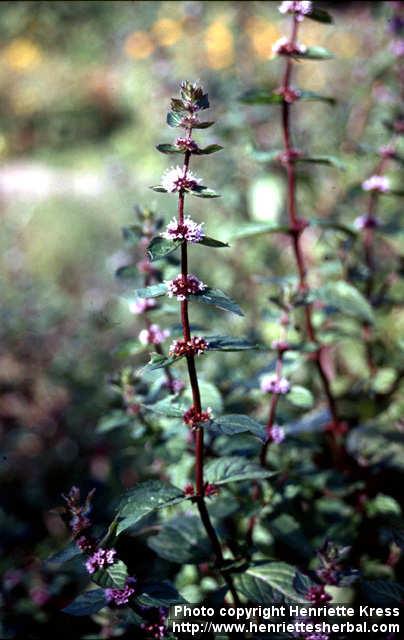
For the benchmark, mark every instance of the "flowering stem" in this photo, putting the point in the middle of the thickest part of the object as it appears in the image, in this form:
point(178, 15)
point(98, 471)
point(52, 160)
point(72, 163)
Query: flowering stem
point(297, 226)
point(196, 398)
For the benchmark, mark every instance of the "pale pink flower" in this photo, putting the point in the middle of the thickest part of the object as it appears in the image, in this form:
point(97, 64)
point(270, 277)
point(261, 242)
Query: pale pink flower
point(140, 305)
point(121, 597)
point(182, 287)
point(366, 221)
point(272, 384)
point(275, 434)
point(301, 9)
point(153, 335)
point(376, 183)
point(190, 230)
point(283, 47)
point(178, 178)
point(100, 559)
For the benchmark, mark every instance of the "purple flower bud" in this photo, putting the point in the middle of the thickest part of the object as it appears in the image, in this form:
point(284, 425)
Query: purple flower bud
point(100, 559)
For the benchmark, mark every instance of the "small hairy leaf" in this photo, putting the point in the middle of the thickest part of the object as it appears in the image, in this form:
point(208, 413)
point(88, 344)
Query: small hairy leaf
point(218, 299)
point(145, 498)
point(234, 423)
point(87, 603)
point(161, 247)
point(114, 576)
point(234, 469)
point(154, 291)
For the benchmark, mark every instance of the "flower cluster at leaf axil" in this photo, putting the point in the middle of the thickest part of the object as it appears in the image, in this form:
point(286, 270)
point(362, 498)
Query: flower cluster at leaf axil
point(195, 346)
point(121, 597)
point(192, 417)
point(283, 47)
point(377, 183)
point(188, 230)
point(179, 179)
point(100, 559)
point(183, 286)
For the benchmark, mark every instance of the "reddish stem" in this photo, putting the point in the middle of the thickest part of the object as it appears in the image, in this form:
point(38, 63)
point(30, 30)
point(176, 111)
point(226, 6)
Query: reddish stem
point(297, 227)
point(196, 399)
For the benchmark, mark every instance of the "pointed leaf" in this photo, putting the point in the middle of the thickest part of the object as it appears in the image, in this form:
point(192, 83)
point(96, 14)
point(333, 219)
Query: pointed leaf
point(159, 188)
point(234, 469)
point(261, 96)
point(168, 407)
point(145, 498)
point(330, 160)
point(203, 192)
point(234, 423)
point(169, 148)
point(312, 95)
point(202, 125)
point(127, 273)
point(87, 603)
point(174, 119)
point(300, 397)
point(228, 343)
point(182, 540)
point(154, 291)
point(259, 228)
point(159, 361)
point(218, 299)
point(344, 298)
point(319, 15)
point(206, 151)
point(211, 242)
point(160, 247)
point(113, 576)
point(265, 156)
point(263, 582)
point(159, 594)
point(315, 53)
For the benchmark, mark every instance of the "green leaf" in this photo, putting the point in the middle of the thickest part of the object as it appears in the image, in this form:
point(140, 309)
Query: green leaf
point(174, 119)
point(159, 594)
point(203, 192)
point(154, 291)
point(159, 188)
point(288, 530)
point(333, 224)
point(312, 422)
point(169, 148)
point(202, 125)
point(312, 95)
point(228, 343)
point(233, 423)
point(258, 229)
point(300, 397)
point(319, 15)
point(329, 160)
point(145, 498)
point(161, 247)
point(168, 407)
point(127, 273)
point(218, 299)
point(382, 592)
point(113, 576)
point(115, 419)
point(264, 583)
point(344, 298)
point(211, 242)
point(261, 96)
point(206, 151)
point(234, 469)
point(87, 603)
point(383, 506)
point(159, 361)
point(182, 540)
point(71, 552)
point(265, 156)
point(315, 53)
